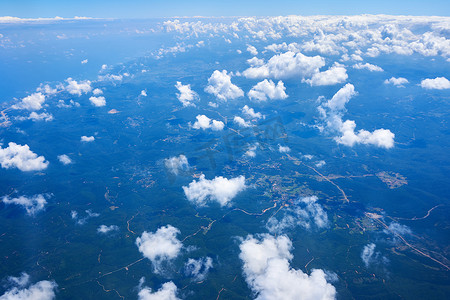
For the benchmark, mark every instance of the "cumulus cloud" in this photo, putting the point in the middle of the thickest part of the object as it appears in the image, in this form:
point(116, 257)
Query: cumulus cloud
point(84, 61)
point(176, 164)
point(283, 149)
point(304, 212)
point(267, 89)
point(23, 290)
point(250, 112)
point(203, 122)
point(78, 88)
point(82, 221)
point(97, 101)
point(22, 158)
point(267, 270)
point(41, 117)
point(241, 122)
point(143, 93)
point(219, 84)
point(399, 82)
point(338, 101)
point(168, 291)
point(367, 66)
point(198, 269)
point(287, 65)
point(186, 95)
point(255, 62)
point(64, 159)
point(438, 83)
point(251, 152)
point(252, 50)
point(87, 139)
point(160, 246)
point(31, 204)
point(97, 92)
point(31, 102)
point(334, 75)
point(219, 189)
point(62, 104)
point(105, 229)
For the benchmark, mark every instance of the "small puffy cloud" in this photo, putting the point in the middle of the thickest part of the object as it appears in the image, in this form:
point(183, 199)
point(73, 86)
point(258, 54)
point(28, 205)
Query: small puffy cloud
point(160, 246)
point(64, 159)
point(198, 269)
point(251, 152)
point(268, 272)
point(267, 89)
point(367, 66)
point(252, 50)
point(203, 122)
point(399, 82)
point(304, 212)
point(287, 65)
point(186, 95)
point(82, 221)
point(84, 61)
point(320, 163)
point(22, 290)
point(40, 117)
point(62, 104)
point(168, 291)
point(438, 83)
point(341, 98)
point(219, 84)
point(97, 92)
point(31, 204)
point(31, 102)
point(380, 137)
point(250, 112)
point(46, 89)
point(77, 88)
point(87, 139)
point(97, 101)
point(220, 189)
point(334, 75)
point(255, 62)
point(22, 158)
point(143, 93)
point(284, 149)
point(241, 122)
point(176, 164)
point(105, 229)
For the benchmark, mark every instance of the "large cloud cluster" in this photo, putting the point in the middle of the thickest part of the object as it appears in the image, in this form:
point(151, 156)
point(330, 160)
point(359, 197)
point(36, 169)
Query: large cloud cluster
point(268, 272)
point(160, 246)
point(220, 189)
point(22, 158)
point(219, 84)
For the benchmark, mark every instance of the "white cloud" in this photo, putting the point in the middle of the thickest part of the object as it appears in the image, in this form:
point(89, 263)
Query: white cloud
point(438, 83)
point(64, 159)
point(176, 163)
point(219, 84)
point(77, 88)
point(42, 290)
point(82, 221)
point(62, 104)
point(168, 291)
point(40, 117)
point(198, 269)
point(46, 89)
point(84, 61)
point(31, 102)
point(334, 75)
point(143, 93)
point(255, 62)
point(304, 212)
point(268, 272)
point(98, 101)
point(160, 246)
point(367, 253)
point(320, 163)
point(341, 97)
point(241, 122)
point(287, 65)
point(399, 82)
point(267, 89)
point(87, 139)
point(31, 204)
point(251, 152)
point(105, 229)
point(22, 158)
point(97, 92)
point(219, 189)
point(380, 137)
point(111, 77)
point(250, 112)
point(186, 95)
point(252, 50)
point(284, 149)
point(203, 122)
point(399, 229)
point(367, 66)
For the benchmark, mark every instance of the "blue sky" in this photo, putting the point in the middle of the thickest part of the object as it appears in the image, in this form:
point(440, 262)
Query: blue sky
point(161, 8)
